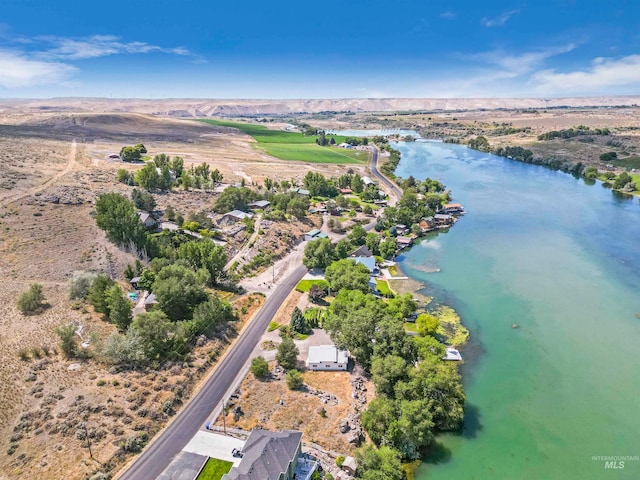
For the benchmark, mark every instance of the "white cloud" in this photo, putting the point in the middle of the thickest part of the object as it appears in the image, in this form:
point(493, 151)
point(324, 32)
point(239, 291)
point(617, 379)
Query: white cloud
point(500, 20)
point(99, 46)
point(604, 76)
point(448, 15)
point(18, 71)
point(514, 65)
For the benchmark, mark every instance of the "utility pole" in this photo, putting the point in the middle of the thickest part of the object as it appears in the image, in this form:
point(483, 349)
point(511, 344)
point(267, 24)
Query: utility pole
point(273, 276)
point(224, 418)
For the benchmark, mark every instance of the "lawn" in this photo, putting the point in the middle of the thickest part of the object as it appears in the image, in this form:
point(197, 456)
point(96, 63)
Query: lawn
point(383, 288)
point(410, 327)
point(305, 285)
point(629, 162)
point(214, 469)
point(294, 145)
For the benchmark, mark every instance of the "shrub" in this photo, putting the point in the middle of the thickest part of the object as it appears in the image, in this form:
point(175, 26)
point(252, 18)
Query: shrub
point(259, 367)
point(80, 284)
point(67, 334)
point(24, 355)
point(101, 383)
point(339, 460)
point(31, 300)
point(294, 379)
point(287, 355)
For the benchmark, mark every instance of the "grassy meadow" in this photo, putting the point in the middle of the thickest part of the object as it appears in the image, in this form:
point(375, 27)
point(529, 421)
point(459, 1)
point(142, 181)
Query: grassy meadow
point(295, 146)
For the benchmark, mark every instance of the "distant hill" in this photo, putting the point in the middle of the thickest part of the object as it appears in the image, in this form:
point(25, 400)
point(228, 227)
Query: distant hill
point(248, 107)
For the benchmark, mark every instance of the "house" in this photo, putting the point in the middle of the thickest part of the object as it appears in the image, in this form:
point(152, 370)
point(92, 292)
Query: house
point(345, 145)
point(369, 262)
point(426, 224)
point(150, 301)
point(268, 456)
point(373, 285)
point(318, 210)
point(234, 217)
point(299, 191)
point(259, 205)
point(404, 241)
point(401, 229)
point(350, 465)
point(367, 181)
point(361, 251)
point(311, 235)
point(345, 191)
point(452, 354)
point(147, 220)
point(452, 209)
point(134, 283)
point(442, 219)
point(327, 357)
point(382, 203)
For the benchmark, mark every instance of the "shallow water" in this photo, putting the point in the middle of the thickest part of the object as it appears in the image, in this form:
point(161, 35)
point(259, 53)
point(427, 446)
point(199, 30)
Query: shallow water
point(561, 259)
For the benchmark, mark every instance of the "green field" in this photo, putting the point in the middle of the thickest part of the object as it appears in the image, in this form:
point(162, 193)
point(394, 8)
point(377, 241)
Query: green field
point(629, 162)
point(214, 469)
point(383, 288)
point(305, 285)
point(295, 146)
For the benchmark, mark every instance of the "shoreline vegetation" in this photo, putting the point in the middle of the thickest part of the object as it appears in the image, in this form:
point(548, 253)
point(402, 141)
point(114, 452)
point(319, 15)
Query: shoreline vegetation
point(624, 185)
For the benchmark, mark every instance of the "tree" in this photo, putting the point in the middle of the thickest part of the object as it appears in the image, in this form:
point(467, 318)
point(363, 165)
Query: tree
point(177, 166)
point(298, 323)
point(165, 182)
point(386, 372)
point(31, 300)
point(143, 200)
point(268, 184)
point(204, 254)
point(427, 324)
point(379, 464)
point(67, 334)
point(388, 248)
point(318, 253)
point(622, 180)
point(156, 332)
point(119, 307)
point(128, 350)
point(130, 154)
point(216, 177)
point(358, 235)
point(298, 206)
point(234, 198)
point(148, 177)
point(147, 278)
point(348, 275)
point(170, 213)
point(80, 284)
point(260, 367)
point(357, 185)
point(211, 315)
point(293, 379)
point(162, 160)
point(118, 217)
point(402, 306)
point(141, 148)
point(372, 241)
point(178, 292)
point(287, 355)
point(98, 293)
point(317, 293)
point(342, 249)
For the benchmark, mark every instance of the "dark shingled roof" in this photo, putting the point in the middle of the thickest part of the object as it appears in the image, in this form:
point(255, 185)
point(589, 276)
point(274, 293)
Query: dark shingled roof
point(266, 455)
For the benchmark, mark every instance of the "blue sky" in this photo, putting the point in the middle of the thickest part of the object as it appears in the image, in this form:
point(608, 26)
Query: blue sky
point(329, 49)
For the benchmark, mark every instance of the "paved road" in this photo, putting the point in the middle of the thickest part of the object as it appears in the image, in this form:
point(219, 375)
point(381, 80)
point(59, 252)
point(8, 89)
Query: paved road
point(374, 169)
point(157, 456)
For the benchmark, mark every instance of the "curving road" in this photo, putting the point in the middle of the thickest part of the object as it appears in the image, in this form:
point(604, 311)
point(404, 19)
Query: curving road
point(159, 454)
point(374, 170)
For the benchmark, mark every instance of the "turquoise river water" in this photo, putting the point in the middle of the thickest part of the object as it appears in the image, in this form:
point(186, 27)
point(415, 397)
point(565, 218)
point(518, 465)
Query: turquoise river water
point(562, 260)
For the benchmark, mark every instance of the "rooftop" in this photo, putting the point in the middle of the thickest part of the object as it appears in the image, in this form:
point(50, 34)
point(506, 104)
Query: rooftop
point(327, 353)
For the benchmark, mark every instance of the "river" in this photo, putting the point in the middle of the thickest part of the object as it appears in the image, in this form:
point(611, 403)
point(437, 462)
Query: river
point(561, 259)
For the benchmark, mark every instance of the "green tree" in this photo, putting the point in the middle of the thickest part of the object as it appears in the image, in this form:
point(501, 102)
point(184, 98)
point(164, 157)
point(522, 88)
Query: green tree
point(346, 274)
point(141, 148)
point(162, 160)
point(165, 182)
point(124, 176)
point(31, 300)
point(177, 166)
point(127, 350)
point(268, 184)
point(178, 292)
point(298, 206)
point(386, 372)
point(118, 217)
point(147, 278)
point(342, 249)
point(148, 177)
point(317, 293)
point(67, 334)
point(372, 241)
point(234, 198)
point(287, 355)
point(156, 334)
point(293, 379)
point(357, 185)
point(427, 324)
point(622, 180)
point(402, 306)
point(358, 235)
point(143, 200)
point(388, 248)
point(216, 177)
point(170, 213)
point(204, 254)
point(119, 307)
point(298, 323)
point(318, 253)
point(210, 316)
point(379, 464)
point(130, 154)
point(260, 367)
point(98, 293)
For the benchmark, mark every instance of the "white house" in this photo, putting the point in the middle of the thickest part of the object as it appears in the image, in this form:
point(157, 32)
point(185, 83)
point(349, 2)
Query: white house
point(327, 357)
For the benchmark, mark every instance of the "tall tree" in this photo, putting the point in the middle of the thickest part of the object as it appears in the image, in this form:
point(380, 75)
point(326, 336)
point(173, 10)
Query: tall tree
point(148, 177)
point(287, 355)
point(178, 292)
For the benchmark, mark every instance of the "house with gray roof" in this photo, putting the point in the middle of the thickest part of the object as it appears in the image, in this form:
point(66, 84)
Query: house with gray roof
point(268, 456)
point(234, 217)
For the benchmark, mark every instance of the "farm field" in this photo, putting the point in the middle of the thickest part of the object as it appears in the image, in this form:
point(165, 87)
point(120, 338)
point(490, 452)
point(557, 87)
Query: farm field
point(295, 146)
